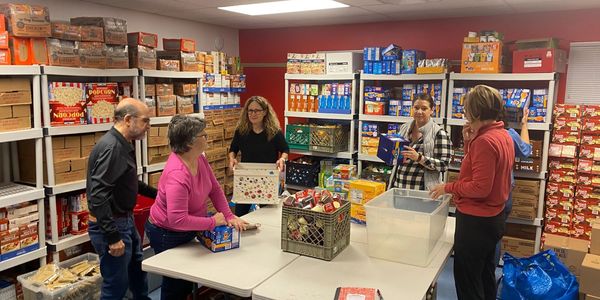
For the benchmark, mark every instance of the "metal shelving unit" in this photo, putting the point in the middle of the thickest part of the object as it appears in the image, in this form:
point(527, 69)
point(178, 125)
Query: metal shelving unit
point(443, 78)
point(13, 193)
point(341, 118)
point(143, 75)
point(552, 84)
point(52, 189)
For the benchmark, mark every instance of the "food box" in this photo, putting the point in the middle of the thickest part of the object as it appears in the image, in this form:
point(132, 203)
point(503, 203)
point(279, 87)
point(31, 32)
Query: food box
point(90, 33)
point(539, 61)
point(65, 31)
point(185, 45)
point(257, 183)
point(67, 103)
point(27, 20)
point(101, 101)
point(142, 38)
point(92, 55)
point(221, 238)
point(390, 147)
point(481, 58)
point(117, 57)
point(63, 53)
point(115, 30)
point(142, 57)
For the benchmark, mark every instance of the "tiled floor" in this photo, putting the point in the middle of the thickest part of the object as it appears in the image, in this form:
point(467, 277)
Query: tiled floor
point(446, 290)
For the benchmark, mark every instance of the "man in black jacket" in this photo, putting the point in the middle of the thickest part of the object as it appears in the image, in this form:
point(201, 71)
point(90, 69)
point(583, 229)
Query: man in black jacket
point(112, 187)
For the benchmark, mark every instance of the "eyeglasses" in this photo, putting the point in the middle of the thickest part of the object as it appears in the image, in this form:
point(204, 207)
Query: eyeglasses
point(255, 111)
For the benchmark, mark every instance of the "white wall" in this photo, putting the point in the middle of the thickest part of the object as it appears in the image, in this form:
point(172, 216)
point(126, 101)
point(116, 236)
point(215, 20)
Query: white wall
point(203, 34)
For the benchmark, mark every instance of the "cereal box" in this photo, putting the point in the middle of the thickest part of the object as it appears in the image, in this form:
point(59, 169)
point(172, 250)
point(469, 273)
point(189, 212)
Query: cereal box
point(101, 100)
point(221, 238)
point(67, 103)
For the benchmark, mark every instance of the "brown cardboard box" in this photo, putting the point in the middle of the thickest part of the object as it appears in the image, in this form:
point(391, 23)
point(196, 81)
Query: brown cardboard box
point(527, 200)
point(527, 232)
point(86, 150)
point(21, 111)
point(27, 20)
point(518, 247)
point(98, 136)
point(5, 112)
point(168, 65)
point(63, 53)
point(142, 38)
point(92, 54)
point(590, 272)
point(15, 91)
point(58, 142)
point(64, 30)
point(72, 141)
point(79, 164)
point(163, 131)
point(66, 154)
point(595, 238)
point(62, 166)
point(153, 179)
point(15, 124)
point(115, 30)
point(214, 134)
point(91, 33)
point(117, 57)
point(164, 89)
point(530, 187)
point(69, 176)
point(187, 61)
point(185, 105)
point(142, 57)
point(154, 141)
point(166, 105)
point(523, 212)
point(150, 90)
point(87, 140)
point(569, 250)
point(185, 89)
point(153, 131)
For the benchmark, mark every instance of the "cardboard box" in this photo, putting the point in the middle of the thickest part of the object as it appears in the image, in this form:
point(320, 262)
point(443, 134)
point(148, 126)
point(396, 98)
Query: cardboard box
point(91, 33)
point(10, 243)
point(101, 101)
point(185, 45)
point(590, 272)
point(65, 31)
point(570, 251)
point(69, 177)
point(63, 53)
point(150, 90)
point(117, 57)
point(86, 150)
point(27, 20)
point(38, 51)
point(164, 89)
point(153, 179)
point(168, 65)
point(20, 50)
point(154, 141)
point(2, 22)
point(142, 38)
point(343, 62)
point(539, 61)
point(87, 140)
point(595, 238)
point(115, 30)
point(518, 247)
point(220, 239)
point(66, 154)
point(67, 103)
point(531, 187)
point(187, 61)
point(390, 147)
point(15, 124)
point(92, 55)
point(142, 57)
point(185, 89)
point(185, 105)
point(166, 105)
point(481, 58)
point(521, 212)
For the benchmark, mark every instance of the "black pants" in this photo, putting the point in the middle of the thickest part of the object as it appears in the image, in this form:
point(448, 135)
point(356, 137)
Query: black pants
point(475, 242)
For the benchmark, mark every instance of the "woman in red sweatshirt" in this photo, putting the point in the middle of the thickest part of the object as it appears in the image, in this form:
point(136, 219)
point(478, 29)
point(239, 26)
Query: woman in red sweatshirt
point(480, 194)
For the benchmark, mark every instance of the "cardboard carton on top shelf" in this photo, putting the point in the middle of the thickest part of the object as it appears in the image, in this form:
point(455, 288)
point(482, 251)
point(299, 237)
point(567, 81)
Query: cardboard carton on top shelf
point(142, 57)
point(5, 57)
point(117, 57)
point(38, 51)
point(186, 45)
point(142, 38)
point(19, 48)
point(63, 53)
point(27, 20)
point(3, 39)
point(65, 31)
point(91, 33)
point(482, 58)
point(187, 61)
point(115, 30)
point(92, 55)
point(166, 105)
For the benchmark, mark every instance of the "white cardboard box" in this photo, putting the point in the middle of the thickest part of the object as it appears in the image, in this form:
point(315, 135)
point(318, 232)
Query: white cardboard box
point(343, 62)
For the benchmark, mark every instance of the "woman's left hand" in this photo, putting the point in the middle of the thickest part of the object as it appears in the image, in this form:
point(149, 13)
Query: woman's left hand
point(238, 223)
point(410, 153)
point(281, 164)
point(437, 191)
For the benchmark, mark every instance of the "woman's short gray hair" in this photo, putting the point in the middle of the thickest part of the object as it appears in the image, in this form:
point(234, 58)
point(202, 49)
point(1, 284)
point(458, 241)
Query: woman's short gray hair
point(183, 130)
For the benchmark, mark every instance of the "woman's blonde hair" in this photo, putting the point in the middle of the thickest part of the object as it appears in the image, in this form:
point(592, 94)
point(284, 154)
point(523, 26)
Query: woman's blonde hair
point(270, 120)
point(483, 103)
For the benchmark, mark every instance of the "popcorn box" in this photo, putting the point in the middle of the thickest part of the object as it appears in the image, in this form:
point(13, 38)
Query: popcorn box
point(221, 238)
point(101, 101)
point(67, 103)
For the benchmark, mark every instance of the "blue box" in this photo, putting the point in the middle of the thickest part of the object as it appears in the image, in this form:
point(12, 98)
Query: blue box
point(377, 67)
point(410, 60)
point(391, 52)
point(220, 239)
point(390, 147)
point(372, 54)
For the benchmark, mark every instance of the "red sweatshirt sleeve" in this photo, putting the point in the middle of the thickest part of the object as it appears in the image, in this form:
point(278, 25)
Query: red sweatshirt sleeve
point(483, 169)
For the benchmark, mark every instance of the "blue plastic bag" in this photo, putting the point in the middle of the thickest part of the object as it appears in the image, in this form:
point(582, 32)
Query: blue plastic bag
point(538, 277)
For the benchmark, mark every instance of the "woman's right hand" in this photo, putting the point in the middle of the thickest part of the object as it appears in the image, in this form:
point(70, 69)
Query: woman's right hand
point(232, 163)
point(467, 132)
point(219, 219)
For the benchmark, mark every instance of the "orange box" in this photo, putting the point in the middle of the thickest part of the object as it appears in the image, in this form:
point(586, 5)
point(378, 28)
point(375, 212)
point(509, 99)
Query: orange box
point(4, 40)
point(38, 51)
point(20, 50)
point(481, 58)
point(2, 22)
point(185, 45)
point(5, 57)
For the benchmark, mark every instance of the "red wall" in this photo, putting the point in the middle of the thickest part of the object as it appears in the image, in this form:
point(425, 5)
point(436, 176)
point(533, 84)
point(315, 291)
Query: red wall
point(439, 38)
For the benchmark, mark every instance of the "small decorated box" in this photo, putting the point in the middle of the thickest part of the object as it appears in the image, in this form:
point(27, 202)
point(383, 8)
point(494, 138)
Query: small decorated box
point(390, 147)
point(220, 239)
point(257, 183)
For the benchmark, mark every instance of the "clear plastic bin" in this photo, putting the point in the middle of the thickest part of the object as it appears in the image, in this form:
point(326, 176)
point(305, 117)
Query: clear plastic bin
point(86, 288)
point(405, 225)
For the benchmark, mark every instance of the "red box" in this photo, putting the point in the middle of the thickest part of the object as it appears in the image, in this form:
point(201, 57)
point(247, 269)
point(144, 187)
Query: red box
point(2, 22)
point(142, 38)
point(586, 205)
point(590, 111)
point(588, 179)
point(559, 202)
point(562, 176)
point(185, 45)
point(557, 228)
point(560, 189)
point(539, 61)
point(79, 222)
point(588, 192)
point(5, 57)
point(4, 40)
point(566, 164)
point(558, 214)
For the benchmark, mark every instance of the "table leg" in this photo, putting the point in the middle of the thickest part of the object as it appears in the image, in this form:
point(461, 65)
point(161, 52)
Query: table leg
point(194, 291)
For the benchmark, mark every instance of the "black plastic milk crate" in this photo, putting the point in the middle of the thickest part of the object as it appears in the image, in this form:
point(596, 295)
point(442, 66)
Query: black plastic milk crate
point(302, 174)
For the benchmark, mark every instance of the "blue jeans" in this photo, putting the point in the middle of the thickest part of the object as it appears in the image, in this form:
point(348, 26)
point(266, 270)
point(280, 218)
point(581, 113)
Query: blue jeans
point(163, 239)
point(119, 273)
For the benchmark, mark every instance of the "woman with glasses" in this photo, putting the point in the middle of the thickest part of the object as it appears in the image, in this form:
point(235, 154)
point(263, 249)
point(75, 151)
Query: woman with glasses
point(185, 187)
point(259, 138)
point(430, 148)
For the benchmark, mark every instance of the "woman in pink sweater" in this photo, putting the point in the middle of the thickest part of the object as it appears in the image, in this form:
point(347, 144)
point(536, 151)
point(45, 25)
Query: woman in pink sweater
point(185, 187)
point(480, 194)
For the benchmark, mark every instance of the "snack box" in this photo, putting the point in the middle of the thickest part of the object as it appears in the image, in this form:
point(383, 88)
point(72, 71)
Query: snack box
point(221, 238)
point(390, 147)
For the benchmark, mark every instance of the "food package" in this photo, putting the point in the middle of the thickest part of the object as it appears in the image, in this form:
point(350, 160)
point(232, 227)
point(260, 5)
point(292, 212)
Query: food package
point(142, 38)
point(27, 20)
point(187, 61)
point(185, 105)
point(142, 57)
point(185, 45)
point(101, 100)
point(63, 53)
point(92, 55)
point(65, 31)
point(20, 50)
point(166, 105)
point(115, 30)
point(67, 103)
point(117, 57)
point(38, 51)
point(168, 65)
point(91, 33)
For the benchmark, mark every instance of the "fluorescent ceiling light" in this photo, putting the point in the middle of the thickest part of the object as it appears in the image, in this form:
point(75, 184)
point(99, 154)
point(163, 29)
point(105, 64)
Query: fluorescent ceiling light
point(279, 7)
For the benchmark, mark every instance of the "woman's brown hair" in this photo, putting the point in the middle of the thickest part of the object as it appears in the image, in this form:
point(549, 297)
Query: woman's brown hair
point(484, 103)
point(270, 121)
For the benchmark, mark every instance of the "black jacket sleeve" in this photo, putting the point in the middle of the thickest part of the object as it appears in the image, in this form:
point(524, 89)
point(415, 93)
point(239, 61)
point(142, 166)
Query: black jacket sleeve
point(103, 177)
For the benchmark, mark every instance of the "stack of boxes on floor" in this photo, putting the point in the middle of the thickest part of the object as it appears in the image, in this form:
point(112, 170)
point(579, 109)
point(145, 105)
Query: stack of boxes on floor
point(18, 230)
point(590, 267)
point(572, 193)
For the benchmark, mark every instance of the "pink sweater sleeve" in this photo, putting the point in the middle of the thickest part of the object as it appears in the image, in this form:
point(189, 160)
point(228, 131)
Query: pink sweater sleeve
point(483, 167)
point(177, 190)
point(217, 195)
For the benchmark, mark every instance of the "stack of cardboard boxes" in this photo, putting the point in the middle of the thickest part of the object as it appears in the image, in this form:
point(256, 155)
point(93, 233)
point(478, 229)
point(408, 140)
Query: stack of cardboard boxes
point(216, 152)
point(69, 153)
point(525, 195)
point(18, 230)
point(15, 104)
point(590, 267)
point(23, 40)
point(158, 144)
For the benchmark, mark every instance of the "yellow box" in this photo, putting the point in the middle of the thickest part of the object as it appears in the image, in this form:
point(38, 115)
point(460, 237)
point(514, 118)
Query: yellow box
point(432, 70)
point(358, 213)
point(481, 58)
point(362, 191)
